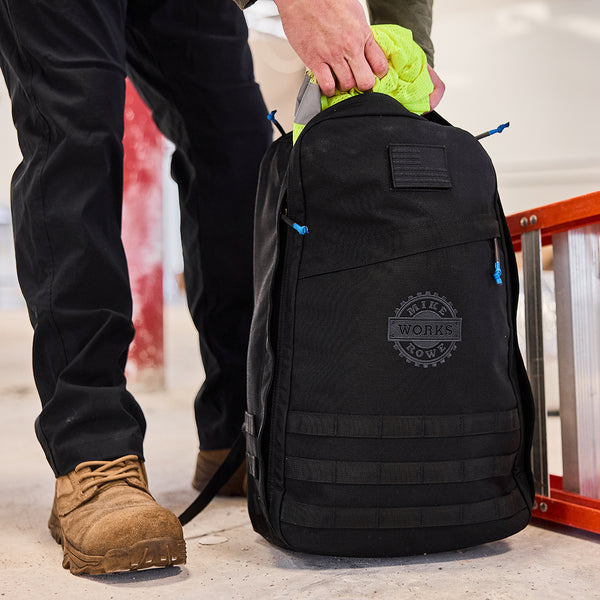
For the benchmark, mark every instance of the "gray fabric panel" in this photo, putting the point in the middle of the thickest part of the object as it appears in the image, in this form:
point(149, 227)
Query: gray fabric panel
point(308, 102)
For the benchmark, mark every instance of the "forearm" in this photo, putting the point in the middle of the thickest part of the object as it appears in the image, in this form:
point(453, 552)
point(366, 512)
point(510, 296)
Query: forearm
point(412, 14)
point(415, 15)
point(334, 40)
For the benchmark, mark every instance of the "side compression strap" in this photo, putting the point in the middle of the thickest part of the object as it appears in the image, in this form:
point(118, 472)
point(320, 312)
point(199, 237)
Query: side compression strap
point(219, 479)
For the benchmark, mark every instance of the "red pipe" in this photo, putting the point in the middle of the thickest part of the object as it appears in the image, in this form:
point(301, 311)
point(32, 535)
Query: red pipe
point(142, 237)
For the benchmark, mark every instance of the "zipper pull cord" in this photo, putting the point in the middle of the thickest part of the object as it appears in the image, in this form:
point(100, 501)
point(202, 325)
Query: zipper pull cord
point(301, 229)
point(497, 270)
point(271, 117)
point(498, 129)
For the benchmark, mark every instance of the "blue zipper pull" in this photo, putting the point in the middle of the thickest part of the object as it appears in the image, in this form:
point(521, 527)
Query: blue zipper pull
point(301, 229)
point(271, 117)
point(498, 129)
point(497, 275)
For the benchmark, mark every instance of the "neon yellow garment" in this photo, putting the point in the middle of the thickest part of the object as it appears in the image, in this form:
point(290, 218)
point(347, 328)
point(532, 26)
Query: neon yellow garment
point(407, 79)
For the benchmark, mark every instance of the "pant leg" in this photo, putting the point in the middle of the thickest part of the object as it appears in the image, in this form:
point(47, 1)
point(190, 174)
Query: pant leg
point(191, 62)
point(64, 64)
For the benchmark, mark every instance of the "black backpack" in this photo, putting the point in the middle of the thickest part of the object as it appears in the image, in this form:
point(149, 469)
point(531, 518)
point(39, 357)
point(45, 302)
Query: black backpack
point(389, 411)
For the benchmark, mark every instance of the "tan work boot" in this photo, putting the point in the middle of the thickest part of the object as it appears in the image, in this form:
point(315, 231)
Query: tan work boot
point(207, 464)
point(106, 520)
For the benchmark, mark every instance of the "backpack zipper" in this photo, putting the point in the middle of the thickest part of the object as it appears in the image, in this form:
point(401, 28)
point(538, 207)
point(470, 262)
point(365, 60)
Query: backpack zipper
point(301, 229)
point(497, 274)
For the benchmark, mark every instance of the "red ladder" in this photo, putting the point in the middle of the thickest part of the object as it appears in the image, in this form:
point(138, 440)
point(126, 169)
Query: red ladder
point(572, 227)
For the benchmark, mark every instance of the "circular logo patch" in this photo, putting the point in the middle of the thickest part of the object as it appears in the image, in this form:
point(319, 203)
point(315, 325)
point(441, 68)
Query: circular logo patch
point(425, 329)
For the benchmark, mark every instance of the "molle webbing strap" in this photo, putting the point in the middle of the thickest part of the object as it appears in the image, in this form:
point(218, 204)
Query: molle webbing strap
point(398, 473)
point(394, 427)
point(326, 517)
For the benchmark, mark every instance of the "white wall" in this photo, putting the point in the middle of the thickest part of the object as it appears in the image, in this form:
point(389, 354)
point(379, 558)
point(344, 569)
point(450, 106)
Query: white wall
point(9, 158)
point(535, 64)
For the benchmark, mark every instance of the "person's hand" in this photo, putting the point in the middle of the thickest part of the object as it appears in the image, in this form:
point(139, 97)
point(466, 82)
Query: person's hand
point(438, 89)
point(334, 40)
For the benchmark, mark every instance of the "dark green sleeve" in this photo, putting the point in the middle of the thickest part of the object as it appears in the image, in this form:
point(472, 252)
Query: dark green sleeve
point(412, 14)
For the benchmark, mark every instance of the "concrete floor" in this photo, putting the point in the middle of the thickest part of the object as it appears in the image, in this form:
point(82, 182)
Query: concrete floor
point(226, 559)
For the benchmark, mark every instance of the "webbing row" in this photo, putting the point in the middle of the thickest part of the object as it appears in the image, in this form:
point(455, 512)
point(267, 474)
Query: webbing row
point(391, 426)
point(327, 517)
point(398, 473)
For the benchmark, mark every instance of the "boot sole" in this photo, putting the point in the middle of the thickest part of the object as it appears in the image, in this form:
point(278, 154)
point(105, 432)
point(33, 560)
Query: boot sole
point(145, 554)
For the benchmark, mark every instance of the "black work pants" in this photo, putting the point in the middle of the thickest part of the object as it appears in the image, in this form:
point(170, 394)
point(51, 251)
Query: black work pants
point(65, 62)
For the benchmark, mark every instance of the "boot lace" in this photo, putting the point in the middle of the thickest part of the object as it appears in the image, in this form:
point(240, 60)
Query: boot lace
point(104, 471)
